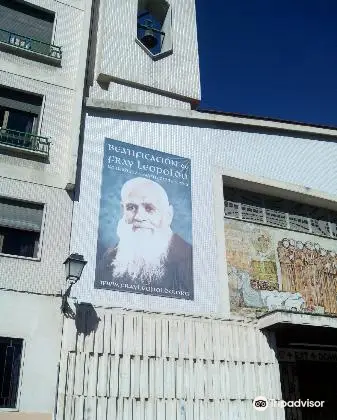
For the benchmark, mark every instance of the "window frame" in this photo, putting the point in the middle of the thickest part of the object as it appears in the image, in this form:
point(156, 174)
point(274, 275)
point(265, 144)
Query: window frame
point(40, 153)
point(53, 33)
point(38, 257)
point(37, 124)
point(167, 21)
point(7, 112)
point(40, 119)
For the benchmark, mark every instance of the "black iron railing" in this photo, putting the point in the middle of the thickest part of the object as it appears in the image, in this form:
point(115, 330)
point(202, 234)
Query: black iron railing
point(10, 361)
point(25, 141)
point(30, 44)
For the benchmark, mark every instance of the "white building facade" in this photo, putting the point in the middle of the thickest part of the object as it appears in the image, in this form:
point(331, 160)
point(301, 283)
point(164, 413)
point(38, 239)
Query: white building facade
point(247, 196)
point(241, 304)
point(43, 47)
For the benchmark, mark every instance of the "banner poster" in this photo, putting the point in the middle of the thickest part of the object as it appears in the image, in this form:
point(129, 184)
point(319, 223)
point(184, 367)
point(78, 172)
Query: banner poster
point(145, 223)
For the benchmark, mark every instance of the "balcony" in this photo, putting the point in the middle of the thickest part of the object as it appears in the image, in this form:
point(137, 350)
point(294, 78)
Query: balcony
point(25, 143)
point(30, 48)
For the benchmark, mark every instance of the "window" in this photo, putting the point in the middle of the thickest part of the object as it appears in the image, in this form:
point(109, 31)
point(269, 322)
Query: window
point(10, 361)
point(28, 29)
point(19, 121)
point(19, 111)
point(154, 27)
point(20, 227)
point(277, 212)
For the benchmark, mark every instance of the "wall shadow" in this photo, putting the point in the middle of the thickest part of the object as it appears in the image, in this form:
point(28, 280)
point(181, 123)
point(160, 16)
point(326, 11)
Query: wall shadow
point(86, 318)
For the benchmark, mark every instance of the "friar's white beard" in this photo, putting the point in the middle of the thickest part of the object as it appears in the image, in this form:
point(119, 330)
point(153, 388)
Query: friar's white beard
point(141, 254)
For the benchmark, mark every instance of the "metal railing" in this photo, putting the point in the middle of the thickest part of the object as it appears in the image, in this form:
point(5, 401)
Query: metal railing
point(30, 44)
point(26, 141)
point(10, 361)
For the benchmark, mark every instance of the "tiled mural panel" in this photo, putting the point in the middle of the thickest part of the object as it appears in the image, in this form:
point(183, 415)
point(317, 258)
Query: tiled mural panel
point(272, 268)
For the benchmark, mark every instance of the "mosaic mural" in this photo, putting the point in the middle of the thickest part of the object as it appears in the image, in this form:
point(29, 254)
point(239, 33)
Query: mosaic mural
point(270, 268)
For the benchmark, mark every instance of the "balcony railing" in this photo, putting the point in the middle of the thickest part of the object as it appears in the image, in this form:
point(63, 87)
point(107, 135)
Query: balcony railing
point(30, 44)
point(26, 141)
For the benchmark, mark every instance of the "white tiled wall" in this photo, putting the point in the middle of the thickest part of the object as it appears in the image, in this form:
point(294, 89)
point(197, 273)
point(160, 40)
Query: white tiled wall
point(275, 156)
point(56, 123)
point(118, 56)
point(47, 274)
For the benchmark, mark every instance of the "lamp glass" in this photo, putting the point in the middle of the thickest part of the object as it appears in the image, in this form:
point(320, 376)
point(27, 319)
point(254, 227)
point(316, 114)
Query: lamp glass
point(74, 265)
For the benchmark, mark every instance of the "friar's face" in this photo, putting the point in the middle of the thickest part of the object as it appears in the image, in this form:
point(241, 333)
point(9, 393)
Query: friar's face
point(144, 231)
point(145, 209)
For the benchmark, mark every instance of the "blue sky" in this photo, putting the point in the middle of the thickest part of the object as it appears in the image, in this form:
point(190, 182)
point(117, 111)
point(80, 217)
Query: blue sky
point(270, 58)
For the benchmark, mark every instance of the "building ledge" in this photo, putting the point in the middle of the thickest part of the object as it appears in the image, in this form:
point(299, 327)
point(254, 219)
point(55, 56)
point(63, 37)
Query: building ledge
point(204, 118)
point(278, 318)
point(155, 57)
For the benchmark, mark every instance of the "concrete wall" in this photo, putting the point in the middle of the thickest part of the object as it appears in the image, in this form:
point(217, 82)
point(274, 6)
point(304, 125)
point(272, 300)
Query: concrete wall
point(37, 321)
point(277, 155)
point(144, 366)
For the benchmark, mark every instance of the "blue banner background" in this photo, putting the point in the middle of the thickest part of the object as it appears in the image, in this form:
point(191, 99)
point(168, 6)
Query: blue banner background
point(178, 190)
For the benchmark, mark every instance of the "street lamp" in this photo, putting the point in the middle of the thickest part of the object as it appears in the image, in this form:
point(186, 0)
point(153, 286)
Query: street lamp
point(74, 265)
